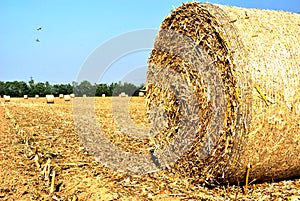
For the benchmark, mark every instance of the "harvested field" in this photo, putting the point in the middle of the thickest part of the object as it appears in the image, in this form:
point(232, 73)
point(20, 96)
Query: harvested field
point(39, 144)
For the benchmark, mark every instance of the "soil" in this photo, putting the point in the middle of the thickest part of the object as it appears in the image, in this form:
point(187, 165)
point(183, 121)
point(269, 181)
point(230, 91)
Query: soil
point(42, 158)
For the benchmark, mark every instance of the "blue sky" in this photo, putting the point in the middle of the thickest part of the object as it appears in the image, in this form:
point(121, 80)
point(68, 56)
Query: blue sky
point(72, 30)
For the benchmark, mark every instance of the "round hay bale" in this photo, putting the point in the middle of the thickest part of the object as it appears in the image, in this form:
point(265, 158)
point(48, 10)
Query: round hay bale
point(37, 96)
point(25, 96)
point(103, 95)
point(122, 94)
point(141, 94)
point(84, 95)
point(67, 97)
point(225, 83)
point(50, 98)
point(61, 96)
point(72, 95)
point(6, 98)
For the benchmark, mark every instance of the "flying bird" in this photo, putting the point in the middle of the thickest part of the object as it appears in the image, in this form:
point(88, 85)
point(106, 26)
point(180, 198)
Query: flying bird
point(37, 40)
point(39, 29)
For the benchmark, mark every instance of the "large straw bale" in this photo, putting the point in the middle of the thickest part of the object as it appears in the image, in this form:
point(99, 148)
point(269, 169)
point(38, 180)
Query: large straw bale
point(50, 98)
point(6, 98)
point(123, 94)
point(243, 69)
point(141, 94)
point(67, 97)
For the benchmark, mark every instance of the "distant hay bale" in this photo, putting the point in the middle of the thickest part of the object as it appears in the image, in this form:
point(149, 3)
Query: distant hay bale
point(239, 69)
point(61, 96)
point(25, 96)
point(6, 98)
point(37, 96)
point(72, 95)
point(122, 94)
point(84, 95)
point(67, 97)
point(103, 95)
point(141, 94)
point(50, 98)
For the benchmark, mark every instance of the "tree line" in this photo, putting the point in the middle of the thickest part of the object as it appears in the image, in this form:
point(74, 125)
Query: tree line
point(21, 88)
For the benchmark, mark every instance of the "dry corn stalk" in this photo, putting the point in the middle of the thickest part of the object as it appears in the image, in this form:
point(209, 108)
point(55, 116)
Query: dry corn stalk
point(36, 160)
point(46, 170)
point(52, 186)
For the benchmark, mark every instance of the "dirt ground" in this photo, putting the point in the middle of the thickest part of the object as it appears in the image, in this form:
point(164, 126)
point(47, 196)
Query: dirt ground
point(42, 158)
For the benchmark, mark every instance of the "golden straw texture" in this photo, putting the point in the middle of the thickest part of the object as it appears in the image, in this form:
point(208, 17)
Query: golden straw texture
point(251, 116)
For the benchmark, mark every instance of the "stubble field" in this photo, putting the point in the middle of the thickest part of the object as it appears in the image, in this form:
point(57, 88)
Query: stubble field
point(42, 158)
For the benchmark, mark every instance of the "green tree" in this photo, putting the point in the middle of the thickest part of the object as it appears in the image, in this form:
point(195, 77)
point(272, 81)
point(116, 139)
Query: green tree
point(31, 87)
point(85, 87)
point(48, 88)
point(39, 89)
point(129, 88)
point(2, 87)
point(20, 88)
point(111, 88)
point(102, 89)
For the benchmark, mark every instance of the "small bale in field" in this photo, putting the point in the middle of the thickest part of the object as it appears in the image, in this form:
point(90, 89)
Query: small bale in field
point(61, 96)
point(141, 94)
point(67, 97)
point(84, 95)
point(6, 98)
point(72, 95)
point(37, 96)
point(122, 94)
point(103, 95)
point(25, 96)
point(50, 98)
